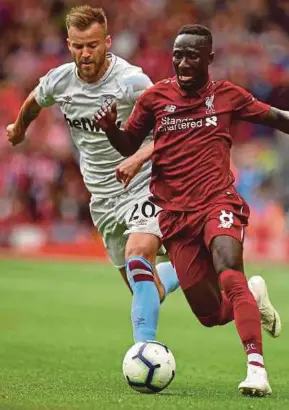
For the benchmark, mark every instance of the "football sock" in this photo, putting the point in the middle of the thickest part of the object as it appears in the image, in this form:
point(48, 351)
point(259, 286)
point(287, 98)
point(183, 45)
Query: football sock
point(226, 313)
point(256, 359)
point(168, 276)
point(145, 302)
point(246, 313)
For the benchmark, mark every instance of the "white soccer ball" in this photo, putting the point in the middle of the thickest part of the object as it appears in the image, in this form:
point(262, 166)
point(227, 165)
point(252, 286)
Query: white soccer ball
point(149, 367)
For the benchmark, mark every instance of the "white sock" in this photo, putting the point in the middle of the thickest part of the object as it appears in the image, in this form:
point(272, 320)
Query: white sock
point(255, 357)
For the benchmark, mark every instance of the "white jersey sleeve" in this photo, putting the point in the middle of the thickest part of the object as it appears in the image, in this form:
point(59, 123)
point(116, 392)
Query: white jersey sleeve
point(136, 84)
point(44, 91)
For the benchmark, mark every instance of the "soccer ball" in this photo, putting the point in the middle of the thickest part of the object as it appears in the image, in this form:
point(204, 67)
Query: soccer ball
point(149, 367)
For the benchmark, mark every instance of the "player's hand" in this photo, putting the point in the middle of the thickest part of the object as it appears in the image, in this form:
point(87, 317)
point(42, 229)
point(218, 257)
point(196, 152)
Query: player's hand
point(128, 169)
point(13, 136)
point(106, 116)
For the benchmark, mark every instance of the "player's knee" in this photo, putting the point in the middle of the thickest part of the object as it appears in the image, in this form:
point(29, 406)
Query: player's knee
point(138, 269)
point(233, 282)
point(209, 321)
point(226, 260)
point(138, 250)
point(227, 264)
point(144, 245)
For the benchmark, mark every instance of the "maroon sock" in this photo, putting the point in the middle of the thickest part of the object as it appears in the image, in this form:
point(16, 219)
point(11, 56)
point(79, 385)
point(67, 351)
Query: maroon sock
point(246, 312)
point(226, 312)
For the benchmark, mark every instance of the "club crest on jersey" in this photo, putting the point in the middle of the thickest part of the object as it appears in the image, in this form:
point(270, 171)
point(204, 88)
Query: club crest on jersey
point(209, 101)
point(107, 99)
point(170, 108)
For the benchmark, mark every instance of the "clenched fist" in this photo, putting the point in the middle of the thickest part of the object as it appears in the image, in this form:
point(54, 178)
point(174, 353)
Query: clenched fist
point(106, 116)
point(127, 169)
point(13, 136)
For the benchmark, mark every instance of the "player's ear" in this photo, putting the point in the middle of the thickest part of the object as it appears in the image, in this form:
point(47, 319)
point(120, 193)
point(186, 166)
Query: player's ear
point(68, 44)
point(211, 57)
point(108, 42)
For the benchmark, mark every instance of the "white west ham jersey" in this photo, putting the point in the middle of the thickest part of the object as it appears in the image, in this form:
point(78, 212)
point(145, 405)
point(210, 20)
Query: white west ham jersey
point(79, 102)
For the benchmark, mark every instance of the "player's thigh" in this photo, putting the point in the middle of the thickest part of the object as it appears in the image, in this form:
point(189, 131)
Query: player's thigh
point(224, 235)
point(141, 216)
point(111, 231)
point(197, 276)
point(190, 259)
point(142, 244)
point(227, 253)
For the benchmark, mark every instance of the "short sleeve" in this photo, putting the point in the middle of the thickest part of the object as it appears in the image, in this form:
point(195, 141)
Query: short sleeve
point(137, 83)
point(44, 91)
point(141, 121)
point(246, 106)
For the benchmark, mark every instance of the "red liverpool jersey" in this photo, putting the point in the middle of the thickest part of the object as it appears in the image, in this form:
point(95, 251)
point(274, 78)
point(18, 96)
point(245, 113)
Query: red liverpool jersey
point(192, 140)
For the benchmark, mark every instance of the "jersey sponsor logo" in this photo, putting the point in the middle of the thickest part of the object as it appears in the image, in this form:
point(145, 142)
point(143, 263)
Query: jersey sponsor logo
point(209, 101)
point(84, 123)
point(180, 124)
point(170, 108)
point(226, 219)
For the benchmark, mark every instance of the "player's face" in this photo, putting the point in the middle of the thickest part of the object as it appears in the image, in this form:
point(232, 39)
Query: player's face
point(192, 56)
point(88, 48)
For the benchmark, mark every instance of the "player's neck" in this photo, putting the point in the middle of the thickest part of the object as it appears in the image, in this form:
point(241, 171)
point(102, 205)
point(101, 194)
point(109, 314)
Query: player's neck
point(200, 86)
point(197, 88)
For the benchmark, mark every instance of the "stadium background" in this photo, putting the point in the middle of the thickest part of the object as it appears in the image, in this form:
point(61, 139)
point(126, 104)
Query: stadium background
point(64, 324)
point(43, 203)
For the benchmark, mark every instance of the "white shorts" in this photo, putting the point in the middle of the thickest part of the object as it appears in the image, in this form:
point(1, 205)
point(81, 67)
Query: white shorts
point(116, 218)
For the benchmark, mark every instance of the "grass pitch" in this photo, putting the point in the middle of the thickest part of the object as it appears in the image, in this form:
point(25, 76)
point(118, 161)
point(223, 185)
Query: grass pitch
point(64, 329)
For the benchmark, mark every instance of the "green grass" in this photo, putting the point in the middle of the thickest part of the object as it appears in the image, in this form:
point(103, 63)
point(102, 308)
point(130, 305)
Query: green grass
point(64, 328)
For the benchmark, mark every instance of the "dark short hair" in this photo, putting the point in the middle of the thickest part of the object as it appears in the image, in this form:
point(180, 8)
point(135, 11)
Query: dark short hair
point(197, 29)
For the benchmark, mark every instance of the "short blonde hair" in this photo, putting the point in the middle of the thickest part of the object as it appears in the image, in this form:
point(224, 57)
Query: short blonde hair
point(82, 17)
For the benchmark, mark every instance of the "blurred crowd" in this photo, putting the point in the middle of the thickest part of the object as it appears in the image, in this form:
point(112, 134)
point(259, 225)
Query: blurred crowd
point(40, 181)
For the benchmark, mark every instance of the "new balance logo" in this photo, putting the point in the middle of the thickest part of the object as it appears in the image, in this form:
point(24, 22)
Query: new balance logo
point(170, 108)
point(68, 99)
point(211, 121)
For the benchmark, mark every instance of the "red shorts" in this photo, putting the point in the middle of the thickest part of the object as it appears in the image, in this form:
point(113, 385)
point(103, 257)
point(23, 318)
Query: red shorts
point(187, 235)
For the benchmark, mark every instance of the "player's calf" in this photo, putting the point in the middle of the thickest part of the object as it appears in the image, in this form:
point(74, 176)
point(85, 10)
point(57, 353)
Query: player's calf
point(168, 279)
point(147, 245)
point(146, 302)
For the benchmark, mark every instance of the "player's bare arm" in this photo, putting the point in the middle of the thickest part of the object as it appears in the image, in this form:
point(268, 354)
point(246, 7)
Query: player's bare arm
point(129, 168)
point(28, 112)
point(277, 119)
point(124, 142)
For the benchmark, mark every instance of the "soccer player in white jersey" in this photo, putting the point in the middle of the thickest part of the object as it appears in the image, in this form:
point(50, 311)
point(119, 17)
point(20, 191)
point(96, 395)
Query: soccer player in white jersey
point(80, 88)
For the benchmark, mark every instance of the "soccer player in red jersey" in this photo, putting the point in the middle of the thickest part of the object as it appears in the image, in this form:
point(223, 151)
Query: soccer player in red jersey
point(202, 217)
